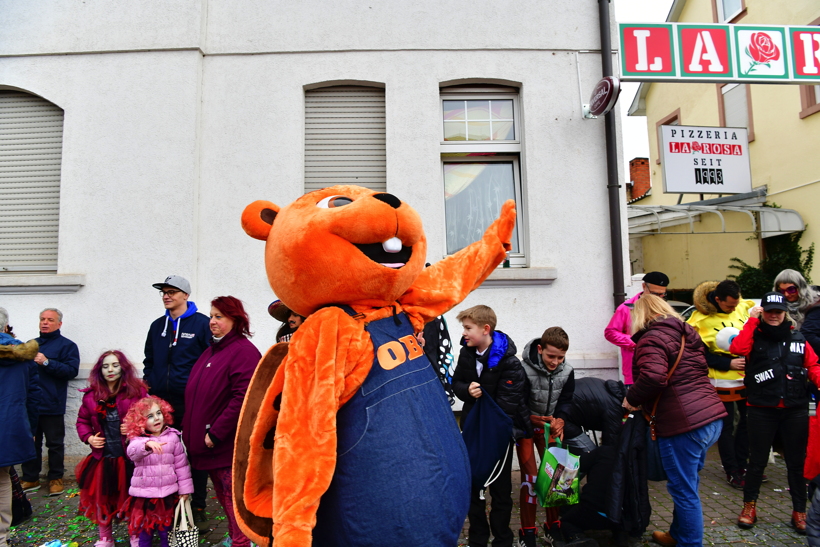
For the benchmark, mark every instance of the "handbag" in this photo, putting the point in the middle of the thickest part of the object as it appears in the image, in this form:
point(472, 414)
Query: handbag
point(557, 481)
point(654, 464)
point(184, 533)
point(487, 433)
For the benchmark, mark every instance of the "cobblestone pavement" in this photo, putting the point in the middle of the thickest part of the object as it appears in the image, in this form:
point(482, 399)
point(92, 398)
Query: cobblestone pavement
point(721, 506)
point(56, 518)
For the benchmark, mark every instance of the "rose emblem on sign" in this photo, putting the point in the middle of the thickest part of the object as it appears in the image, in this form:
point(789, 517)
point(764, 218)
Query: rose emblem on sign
point(763, 52)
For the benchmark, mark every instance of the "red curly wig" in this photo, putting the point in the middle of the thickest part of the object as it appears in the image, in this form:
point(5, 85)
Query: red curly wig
point(135, 419)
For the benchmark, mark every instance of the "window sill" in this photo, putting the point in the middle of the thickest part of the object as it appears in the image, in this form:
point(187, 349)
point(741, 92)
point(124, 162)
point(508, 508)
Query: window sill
point(520, 277)
point(41, 284)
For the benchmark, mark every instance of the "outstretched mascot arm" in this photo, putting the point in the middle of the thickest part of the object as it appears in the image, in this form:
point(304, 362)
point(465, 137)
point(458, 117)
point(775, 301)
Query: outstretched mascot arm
point(328, 359)
point(446, 283)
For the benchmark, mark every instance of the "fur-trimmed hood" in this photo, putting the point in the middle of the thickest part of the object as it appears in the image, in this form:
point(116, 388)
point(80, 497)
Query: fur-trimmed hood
point(20, 352)
point(700, 297)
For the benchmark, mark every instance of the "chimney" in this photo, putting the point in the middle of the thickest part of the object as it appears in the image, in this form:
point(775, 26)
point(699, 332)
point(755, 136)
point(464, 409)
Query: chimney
point(639, 183)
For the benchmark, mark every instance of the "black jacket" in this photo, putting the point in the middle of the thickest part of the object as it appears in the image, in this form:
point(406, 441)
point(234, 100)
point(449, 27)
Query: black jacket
point(170, 356)
point(628, 501)
point(502, 377)
point(597, 406)
point(775, 371)
point(811, 328)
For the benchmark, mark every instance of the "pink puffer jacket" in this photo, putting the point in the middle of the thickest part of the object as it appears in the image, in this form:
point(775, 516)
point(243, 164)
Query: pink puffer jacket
point(159, 475)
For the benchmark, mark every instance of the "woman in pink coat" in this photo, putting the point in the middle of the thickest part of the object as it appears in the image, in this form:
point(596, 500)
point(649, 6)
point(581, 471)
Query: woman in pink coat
point(104, 474)
point(161, 475)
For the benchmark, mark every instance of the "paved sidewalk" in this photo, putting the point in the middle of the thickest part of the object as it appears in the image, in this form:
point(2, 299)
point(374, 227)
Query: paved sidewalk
point(721, 506)
point(56, 518)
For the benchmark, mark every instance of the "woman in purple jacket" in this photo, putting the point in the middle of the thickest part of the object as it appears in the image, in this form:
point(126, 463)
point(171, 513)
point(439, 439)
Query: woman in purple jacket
point(104, 475)
point(689, 412)
point(214, 395)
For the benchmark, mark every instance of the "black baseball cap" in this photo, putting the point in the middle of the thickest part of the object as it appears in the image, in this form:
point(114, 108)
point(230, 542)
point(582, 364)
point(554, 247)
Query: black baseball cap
point(656, 278)
point(774, 301)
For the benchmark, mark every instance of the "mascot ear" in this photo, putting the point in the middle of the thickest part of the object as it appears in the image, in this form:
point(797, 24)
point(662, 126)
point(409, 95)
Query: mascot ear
point(257, 219)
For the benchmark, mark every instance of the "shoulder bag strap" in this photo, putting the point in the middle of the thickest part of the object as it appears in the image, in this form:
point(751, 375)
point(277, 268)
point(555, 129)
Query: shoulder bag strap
point(668, 376)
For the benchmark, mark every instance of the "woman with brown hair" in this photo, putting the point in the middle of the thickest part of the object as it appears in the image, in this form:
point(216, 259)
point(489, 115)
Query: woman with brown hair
point(688, 415)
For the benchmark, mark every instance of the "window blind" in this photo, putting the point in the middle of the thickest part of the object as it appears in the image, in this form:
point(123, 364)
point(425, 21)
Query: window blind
point(345, 137)
point(31, 143)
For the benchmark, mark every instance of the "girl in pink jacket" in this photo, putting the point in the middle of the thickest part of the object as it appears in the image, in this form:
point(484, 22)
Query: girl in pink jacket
point(161, 474)
point(104, 475)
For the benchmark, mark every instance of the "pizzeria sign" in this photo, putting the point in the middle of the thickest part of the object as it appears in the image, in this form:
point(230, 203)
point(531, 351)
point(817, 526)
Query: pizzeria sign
point(719, 53)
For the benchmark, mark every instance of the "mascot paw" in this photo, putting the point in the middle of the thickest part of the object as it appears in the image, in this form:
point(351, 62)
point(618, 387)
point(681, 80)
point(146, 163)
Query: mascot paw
point(725, 336)
point(505, 224)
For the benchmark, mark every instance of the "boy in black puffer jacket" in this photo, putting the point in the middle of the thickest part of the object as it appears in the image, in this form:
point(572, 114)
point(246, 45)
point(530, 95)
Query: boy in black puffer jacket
point(487, 360)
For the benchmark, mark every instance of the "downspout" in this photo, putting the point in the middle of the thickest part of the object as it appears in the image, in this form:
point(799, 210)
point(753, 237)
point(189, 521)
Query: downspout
point(612, 186)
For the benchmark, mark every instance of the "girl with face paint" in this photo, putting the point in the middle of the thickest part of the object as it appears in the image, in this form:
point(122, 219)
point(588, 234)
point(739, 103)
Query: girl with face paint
point(104, 475)
point(162, 475)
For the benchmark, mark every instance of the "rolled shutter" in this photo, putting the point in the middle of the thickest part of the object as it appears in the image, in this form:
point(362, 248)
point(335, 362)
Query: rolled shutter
point(31, 144)
point(345, 137)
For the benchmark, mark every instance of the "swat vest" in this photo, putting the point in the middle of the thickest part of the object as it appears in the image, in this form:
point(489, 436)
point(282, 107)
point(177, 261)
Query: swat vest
point(397, 430)
point(775, 371)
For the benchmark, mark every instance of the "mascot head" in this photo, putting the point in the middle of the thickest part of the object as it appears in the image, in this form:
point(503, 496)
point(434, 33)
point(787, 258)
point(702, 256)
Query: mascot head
point(339, 245)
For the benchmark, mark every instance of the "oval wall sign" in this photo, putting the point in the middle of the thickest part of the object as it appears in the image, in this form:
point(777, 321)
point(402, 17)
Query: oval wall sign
point(604, 96)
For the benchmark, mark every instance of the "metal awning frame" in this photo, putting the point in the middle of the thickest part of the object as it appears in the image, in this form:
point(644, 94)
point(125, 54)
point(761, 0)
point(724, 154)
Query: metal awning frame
point(693, 211)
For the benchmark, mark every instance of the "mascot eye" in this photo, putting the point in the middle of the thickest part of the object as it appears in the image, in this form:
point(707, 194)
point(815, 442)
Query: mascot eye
point(334, 201)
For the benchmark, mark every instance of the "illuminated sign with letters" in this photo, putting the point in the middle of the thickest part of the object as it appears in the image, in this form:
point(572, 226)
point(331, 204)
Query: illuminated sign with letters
point(719, 53)
point(705, 160)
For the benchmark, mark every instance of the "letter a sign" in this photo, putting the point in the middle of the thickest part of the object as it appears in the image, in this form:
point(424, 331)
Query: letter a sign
point(695, 52)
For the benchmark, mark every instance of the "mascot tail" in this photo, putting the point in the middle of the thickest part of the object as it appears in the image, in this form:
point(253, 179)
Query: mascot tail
point(253, 452)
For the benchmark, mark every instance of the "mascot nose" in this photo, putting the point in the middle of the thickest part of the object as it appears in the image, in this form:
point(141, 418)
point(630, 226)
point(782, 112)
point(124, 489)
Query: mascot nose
point(389, 199)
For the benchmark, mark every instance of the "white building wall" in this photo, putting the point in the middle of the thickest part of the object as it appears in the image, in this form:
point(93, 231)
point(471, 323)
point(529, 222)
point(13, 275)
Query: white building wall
point(179, 114)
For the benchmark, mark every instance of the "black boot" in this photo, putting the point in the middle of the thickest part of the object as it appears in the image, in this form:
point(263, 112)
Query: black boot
point(528, 537)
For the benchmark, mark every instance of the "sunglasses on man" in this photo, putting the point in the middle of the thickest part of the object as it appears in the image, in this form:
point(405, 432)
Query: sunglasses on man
point(788, 290)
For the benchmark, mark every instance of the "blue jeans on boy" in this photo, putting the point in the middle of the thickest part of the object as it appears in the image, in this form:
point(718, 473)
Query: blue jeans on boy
point(683, 457)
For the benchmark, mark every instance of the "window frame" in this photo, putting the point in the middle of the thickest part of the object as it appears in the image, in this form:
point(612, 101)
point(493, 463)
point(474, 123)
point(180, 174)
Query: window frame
point(719, 17)
point(722, 109)
point(666, 120)
point(498, 151)
point(519, 259)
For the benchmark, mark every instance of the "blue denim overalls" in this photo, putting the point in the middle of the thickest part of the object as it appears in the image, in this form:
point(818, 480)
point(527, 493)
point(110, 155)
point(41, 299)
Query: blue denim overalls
point(402, 474)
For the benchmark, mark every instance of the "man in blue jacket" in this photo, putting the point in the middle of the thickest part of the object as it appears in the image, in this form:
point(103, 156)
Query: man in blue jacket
point(175, 342)
point(59, 362)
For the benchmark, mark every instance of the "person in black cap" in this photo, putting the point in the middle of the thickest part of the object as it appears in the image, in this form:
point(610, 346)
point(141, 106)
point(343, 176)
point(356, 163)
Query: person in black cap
point(291, 320)
point(619, 329)
point(779, 365)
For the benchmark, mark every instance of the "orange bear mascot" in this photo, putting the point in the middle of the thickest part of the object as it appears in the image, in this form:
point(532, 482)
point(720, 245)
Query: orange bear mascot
point(346, 436)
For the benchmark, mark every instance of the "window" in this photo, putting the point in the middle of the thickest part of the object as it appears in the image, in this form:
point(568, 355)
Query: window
point(670, 119)
point(734, 107)
point(727, 11)
point(480, 153)
point(345, 137)
point(31, 144)
point(810, 100)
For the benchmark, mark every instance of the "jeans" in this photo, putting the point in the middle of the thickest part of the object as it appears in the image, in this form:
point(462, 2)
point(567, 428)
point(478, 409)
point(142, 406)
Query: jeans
point(683, 457)
point(764, 423)
point(53, 428)
point(733, 445)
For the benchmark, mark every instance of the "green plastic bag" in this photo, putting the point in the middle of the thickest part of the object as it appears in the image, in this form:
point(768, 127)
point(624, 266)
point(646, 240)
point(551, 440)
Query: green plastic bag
point(557, 481)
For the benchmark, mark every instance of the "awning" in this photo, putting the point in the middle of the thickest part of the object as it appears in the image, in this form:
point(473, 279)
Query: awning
point(646, 220)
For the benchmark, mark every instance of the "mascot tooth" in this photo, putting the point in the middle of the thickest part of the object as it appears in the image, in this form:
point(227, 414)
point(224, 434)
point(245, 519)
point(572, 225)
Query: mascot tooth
point(346, 436)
